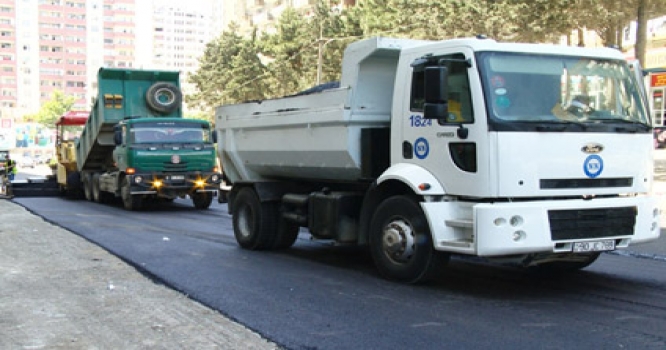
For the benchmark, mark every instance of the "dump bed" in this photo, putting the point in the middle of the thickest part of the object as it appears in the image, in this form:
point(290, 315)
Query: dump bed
point(318, 136)
point(124, 93)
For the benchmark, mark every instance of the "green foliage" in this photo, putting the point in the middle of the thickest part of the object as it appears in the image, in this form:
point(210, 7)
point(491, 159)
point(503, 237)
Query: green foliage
point(53, 109)
point(201, 115)
point(307, 48)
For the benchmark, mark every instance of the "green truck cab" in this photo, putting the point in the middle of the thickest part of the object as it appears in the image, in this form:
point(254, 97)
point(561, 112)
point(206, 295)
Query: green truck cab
point(137, 146)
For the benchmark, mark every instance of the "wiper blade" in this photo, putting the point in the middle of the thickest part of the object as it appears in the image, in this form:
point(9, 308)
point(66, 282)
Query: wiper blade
point(630, 126)
point(619, 120)
point(559, 125)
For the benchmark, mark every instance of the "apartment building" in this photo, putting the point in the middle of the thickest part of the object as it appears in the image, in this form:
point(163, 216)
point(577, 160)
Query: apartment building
point(49, 45)
point(174, 37)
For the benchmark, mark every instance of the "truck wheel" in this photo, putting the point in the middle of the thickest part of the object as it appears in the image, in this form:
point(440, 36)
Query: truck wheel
point(129, 202)
point(202, 200)
point(95, 188)
point(401, 242)
point(255, 223)
point(87, 187)
point(286, 234)
point(98, 195)
point(163, 97)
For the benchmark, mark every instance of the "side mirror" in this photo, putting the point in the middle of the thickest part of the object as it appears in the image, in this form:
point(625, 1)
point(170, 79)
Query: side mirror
point(436, 81)
point(118, 136)
point(214, 135)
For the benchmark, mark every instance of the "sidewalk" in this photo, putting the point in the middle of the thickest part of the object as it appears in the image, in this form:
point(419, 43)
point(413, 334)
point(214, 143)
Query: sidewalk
point(58, 291)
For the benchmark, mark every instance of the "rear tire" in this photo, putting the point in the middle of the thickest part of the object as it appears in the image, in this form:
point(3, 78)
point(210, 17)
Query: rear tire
point(87, 187)
point(95, 189)
point(401, 242)
point(286, 235)
point(255, 223)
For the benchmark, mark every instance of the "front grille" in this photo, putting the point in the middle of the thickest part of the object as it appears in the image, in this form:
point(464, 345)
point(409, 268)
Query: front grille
point(175, 167)
point(591, 223)
point(559, 184)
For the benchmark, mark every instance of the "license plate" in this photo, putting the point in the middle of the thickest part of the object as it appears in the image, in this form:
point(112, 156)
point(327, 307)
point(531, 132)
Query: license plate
point(594, 246)
point(177, 177)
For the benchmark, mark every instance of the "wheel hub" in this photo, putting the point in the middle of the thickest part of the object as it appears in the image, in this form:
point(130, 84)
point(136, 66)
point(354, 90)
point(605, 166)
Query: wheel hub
point(244, 219)
point(398, 240)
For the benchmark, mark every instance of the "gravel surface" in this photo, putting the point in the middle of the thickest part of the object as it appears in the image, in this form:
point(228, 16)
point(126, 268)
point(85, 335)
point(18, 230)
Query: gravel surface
point(59, 291)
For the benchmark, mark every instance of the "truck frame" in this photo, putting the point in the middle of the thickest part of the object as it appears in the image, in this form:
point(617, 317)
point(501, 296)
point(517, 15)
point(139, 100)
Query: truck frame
point(538, 155)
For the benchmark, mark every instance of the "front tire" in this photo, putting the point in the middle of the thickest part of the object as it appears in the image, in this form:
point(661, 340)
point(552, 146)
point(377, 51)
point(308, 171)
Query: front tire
point(202, 200)
point(255, 223)
point(130, 202)
point(401, 242)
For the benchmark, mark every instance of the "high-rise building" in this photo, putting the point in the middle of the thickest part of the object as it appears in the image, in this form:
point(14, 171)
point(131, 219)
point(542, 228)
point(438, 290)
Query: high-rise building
point(174, 36)
point(49, 45)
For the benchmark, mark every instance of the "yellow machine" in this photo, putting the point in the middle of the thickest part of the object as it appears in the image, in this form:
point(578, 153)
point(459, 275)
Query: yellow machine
point(66, 172)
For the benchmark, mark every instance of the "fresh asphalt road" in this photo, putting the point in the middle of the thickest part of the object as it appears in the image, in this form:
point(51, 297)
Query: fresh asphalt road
point(320, 296)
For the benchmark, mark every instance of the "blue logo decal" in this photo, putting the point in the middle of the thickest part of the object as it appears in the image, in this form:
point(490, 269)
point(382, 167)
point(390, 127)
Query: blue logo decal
point(593, 166)
point(421, 148)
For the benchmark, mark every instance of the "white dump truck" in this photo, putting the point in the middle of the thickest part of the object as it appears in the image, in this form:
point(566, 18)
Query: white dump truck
point(533, 154)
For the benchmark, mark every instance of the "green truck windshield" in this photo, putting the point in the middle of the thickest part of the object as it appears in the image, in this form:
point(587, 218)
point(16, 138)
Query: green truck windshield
point(538, 88)
point(169, 133)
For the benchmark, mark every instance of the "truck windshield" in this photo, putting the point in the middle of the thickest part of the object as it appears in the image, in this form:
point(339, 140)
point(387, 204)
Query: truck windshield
point(169, 132)
point(560, 89)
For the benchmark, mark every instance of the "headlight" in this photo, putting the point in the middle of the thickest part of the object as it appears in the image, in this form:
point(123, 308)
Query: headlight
point(138, 179)
point(215, 178)
point(516, 221)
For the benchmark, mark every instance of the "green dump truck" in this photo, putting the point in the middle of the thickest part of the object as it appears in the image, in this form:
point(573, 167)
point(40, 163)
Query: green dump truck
point(136, 145)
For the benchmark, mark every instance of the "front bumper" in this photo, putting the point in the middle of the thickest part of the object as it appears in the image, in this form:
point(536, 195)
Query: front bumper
point(174, 184)
point(511, 228)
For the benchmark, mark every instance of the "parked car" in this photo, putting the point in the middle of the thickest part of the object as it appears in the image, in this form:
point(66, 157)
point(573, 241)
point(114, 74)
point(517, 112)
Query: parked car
point(26, 162)
point(41, 159)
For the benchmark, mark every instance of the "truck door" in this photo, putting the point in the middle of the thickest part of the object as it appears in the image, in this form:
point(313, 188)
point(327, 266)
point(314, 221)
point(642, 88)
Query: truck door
point(452, 147)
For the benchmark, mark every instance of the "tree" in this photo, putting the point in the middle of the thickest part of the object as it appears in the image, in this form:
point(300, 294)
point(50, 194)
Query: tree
point(53, 109)
point(248, 79)
point(641, 30)
point(309, 48)
point(284, 54)
point(216, 69)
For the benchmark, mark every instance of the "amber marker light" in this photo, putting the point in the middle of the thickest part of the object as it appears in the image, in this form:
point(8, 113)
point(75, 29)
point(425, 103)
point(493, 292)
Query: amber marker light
point(130, 171)
point(424, 186)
